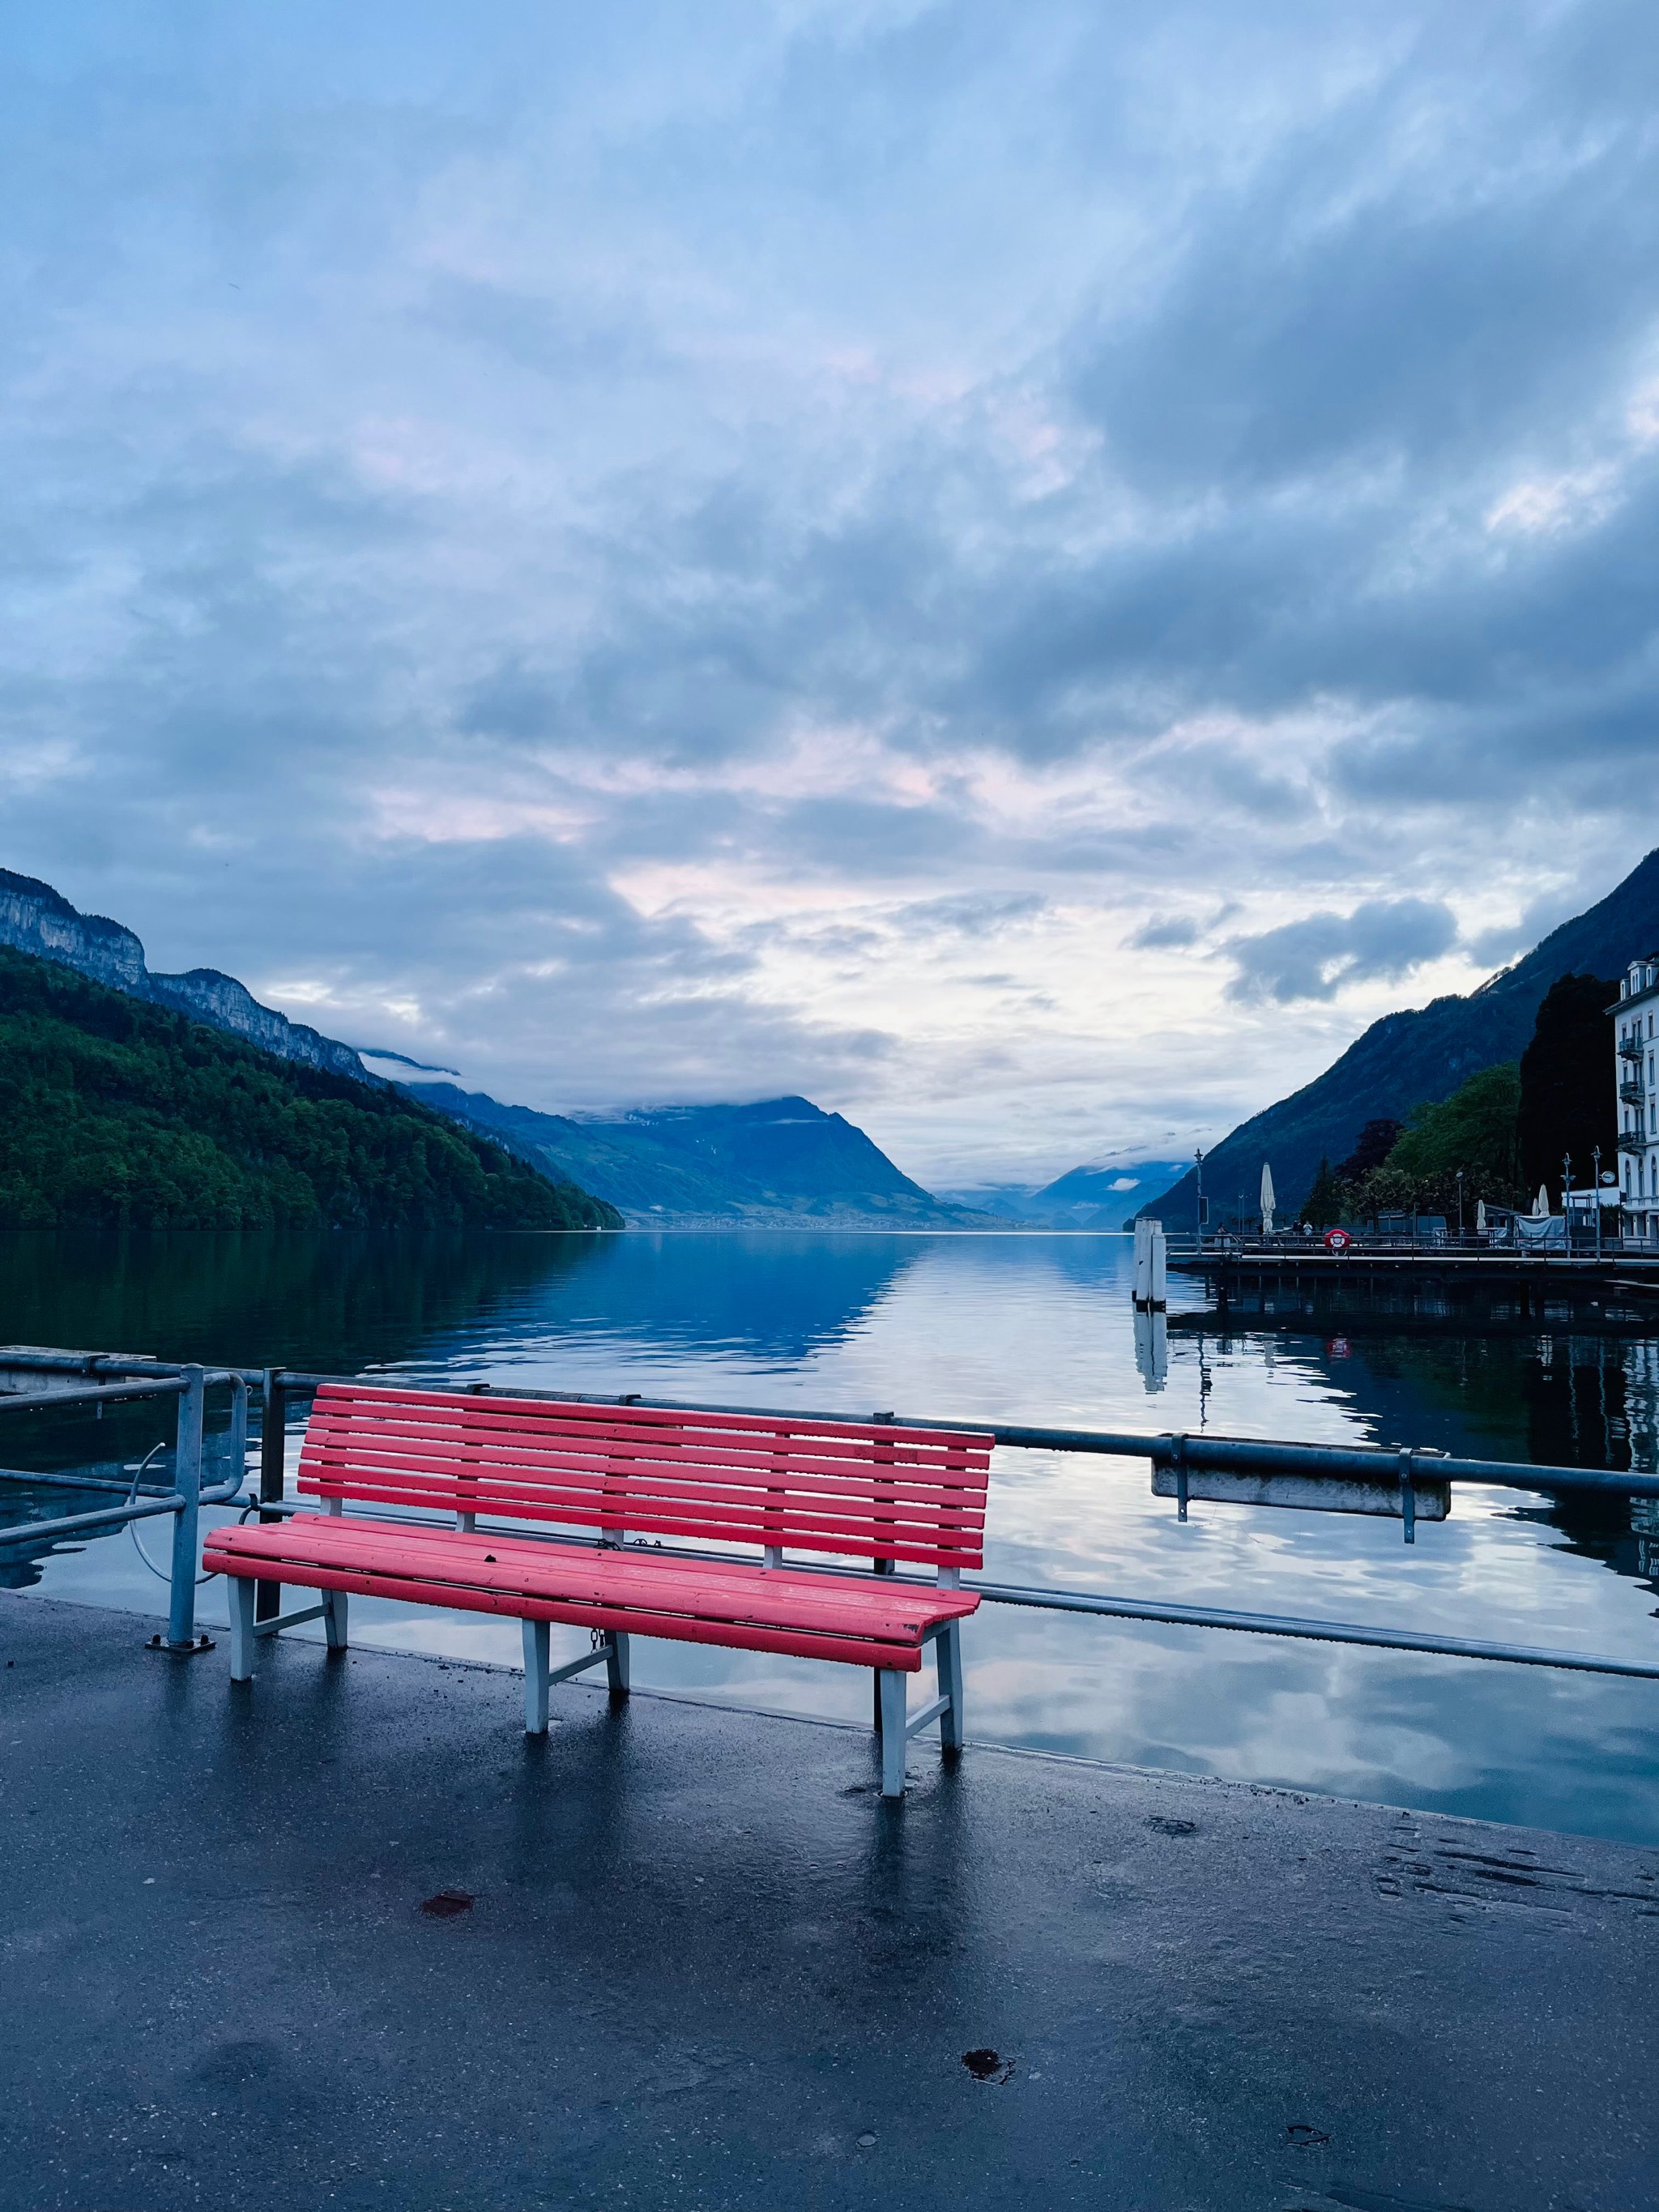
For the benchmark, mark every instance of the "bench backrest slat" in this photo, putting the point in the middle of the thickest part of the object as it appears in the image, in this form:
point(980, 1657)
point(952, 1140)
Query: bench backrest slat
point(872, 1491)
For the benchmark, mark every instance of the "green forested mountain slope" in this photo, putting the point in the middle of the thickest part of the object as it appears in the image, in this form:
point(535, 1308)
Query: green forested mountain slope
point(1423, 1054)
point(117, 1114)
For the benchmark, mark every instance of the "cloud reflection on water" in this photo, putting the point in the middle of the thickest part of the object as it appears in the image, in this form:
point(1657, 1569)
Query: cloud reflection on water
point(1037, 1328)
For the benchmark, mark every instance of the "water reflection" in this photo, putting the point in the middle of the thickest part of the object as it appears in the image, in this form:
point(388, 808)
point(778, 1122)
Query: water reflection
point(1152, 1349)
point(341, 1302)
point(1024, 1329)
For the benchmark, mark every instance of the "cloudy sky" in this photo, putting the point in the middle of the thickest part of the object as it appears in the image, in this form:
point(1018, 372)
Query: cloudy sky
point(1023, 571)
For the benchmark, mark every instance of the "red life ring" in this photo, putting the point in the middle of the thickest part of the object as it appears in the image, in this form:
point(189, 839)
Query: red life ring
point(1337, 1240)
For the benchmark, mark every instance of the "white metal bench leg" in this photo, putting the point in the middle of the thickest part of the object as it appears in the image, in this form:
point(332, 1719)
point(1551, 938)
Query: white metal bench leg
point(536, 1645)
point(334, 1618)
point(948, 1652)
point(895, 1738)
point(241, 1628)
point(617, 1642)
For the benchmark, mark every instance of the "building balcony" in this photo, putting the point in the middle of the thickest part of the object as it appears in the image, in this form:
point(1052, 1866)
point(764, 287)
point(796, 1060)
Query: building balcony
point(1632, 1091)
point(1632, 1048)
point(1632, 1141)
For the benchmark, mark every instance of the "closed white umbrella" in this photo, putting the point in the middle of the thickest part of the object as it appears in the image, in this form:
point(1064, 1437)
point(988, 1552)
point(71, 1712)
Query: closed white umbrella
point(1540, 1205)
point(1480, 1218)
point(1266, 1199)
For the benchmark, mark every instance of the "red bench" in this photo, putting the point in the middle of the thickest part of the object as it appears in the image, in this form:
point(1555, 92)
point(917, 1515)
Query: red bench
point(643, 1478)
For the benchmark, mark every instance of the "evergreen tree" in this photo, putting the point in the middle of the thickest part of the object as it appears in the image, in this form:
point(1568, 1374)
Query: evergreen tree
point(1568, 1102)
point(1371, 1147)
point(1324, 1203)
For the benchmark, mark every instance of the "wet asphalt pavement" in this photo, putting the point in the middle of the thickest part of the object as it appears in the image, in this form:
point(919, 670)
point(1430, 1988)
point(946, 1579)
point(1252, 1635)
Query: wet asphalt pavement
point(346, 1937)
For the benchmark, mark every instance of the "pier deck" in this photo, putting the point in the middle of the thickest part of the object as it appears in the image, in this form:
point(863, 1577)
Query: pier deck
point(706, 1965)
point(1637, 1271)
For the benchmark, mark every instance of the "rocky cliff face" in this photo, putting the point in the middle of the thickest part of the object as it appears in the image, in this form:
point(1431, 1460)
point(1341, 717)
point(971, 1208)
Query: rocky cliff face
point(36, 919)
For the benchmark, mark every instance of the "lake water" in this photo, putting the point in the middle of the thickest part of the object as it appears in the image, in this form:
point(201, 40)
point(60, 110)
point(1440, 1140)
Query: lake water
point(1019, 1329)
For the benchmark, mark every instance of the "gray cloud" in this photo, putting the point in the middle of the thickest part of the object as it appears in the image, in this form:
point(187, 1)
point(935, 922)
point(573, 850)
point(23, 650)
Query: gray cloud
point(958, 466)
point(969, 914)
point(1165, 930)
point(1382, 940)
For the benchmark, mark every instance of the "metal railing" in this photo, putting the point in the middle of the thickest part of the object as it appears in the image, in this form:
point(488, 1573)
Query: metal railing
point(107, 1383)
point(1228, 1247)
point(1185, 1466)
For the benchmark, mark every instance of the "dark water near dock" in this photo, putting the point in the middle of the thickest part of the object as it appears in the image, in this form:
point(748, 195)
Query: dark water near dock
point(1039, 1329)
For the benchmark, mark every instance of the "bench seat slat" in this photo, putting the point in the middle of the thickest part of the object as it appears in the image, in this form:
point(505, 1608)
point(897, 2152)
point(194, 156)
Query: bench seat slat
point(644, 1476)
point(515, 1448)
point(870, 1537)
point(846, 1490)
point(455, 1409)
point(547, 1501)
point(861, 1622)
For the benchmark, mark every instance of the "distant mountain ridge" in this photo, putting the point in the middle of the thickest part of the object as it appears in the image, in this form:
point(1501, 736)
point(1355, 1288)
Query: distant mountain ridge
point(1424, 1054)
point(769, 1164)
point(766, 1165)
point(116, 1114)
point(36, 919)
point(1100, 1196)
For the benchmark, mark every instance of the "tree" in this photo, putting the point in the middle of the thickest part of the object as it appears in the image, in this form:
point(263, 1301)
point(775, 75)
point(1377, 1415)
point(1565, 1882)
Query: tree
point(115, 1113)
point(1372, 1146)
point(1474, 1130)
point(1567, 1100)
point(1324, 1203)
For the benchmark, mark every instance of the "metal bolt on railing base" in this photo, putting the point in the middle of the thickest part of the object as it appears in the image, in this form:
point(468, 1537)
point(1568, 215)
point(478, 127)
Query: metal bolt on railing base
point(187, 1649)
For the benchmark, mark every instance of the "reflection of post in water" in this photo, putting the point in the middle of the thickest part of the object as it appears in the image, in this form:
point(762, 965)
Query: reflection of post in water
point(1641, 1404)
point(1153, 1347)
point(1575, 1392)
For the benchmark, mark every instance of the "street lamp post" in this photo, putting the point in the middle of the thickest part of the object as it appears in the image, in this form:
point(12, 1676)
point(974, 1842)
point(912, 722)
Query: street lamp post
point(1566, 1198)
point(1198, 1161)
point(1460, 1209)
point(1596, 1157)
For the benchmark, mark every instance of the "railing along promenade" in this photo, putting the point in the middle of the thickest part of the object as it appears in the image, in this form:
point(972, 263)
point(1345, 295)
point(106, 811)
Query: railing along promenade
point(1411, 1482)
point(1473, 1249)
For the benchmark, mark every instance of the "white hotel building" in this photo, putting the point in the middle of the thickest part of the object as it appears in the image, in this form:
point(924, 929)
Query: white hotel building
point(1635, 1046)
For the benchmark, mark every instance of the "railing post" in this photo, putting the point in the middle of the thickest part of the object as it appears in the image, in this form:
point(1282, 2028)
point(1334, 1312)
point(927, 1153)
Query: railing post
point(239, 1429)
point(187, 1481)
point(273, 1441)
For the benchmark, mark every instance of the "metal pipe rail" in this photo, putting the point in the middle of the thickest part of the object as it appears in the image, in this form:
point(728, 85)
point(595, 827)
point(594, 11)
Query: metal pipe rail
point(102, 1394)
point(55, 1480)
point(1042, 1599)
point(35, 1359)
point(1183, 1451)
point(188, 1385)
point(70, 1524)
point(1237, 1455)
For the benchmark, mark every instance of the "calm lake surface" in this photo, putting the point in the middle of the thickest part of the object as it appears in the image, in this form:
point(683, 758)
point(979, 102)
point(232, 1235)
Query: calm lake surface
point(1016, 1328)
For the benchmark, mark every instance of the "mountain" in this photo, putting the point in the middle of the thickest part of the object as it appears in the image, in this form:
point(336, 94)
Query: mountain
point(1095, 1197)
point(35, 919)
point(1424, 1054)
point(1101, 1197)
point(117, 1113)
point(768, 1165)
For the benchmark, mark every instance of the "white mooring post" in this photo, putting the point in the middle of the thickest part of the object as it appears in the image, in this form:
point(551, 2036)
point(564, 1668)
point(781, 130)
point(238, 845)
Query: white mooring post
point(1151, 1251)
